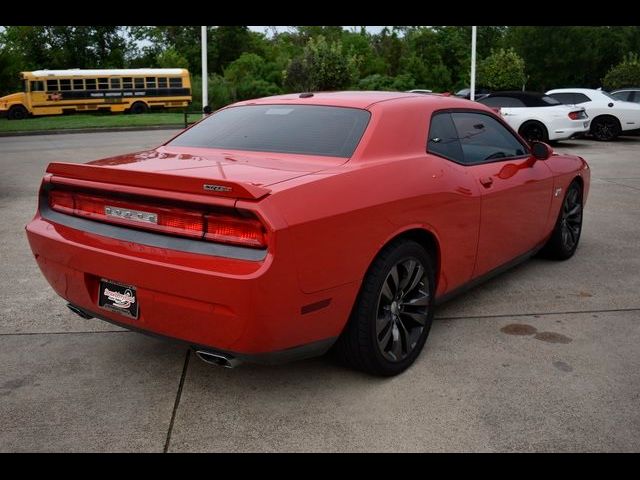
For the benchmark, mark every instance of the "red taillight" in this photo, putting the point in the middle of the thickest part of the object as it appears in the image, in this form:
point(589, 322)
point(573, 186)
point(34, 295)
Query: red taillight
point(164, 219)
point(578, 115)
point(227, 229)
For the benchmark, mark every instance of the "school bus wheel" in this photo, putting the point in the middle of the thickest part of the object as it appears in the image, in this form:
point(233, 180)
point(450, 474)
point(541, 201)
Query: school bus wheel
point(17, 112)
point(139, 107)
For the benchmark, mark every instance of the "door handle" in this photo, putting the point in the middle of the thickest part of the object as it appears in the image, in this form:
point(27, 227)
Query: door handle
point(486, 181)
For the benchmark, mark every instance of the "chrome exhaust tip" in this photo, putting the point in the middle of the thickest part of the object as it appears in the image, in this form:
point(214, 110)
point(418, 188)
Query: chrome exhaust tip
point(79, 312)
point(218, 359)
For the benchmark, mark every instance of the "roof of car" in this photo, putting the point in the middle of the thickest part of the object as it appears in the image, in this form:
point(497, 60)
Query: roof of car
point(573, 90)
point(354, 99)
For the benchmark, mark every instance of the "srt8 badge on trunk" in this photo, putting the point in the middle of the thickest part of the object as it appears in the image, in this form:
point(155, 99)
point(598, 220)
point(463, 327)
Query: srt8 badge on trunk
point(119, 298)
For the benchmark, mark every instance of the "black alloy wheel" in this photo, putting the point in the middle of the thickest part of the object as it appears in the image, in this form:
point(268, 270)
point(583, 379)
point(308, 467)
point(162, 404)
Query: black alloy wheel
point(393, 312)
point(605, 129)
point(403, 308)
point(565, 237)
point(534, 131)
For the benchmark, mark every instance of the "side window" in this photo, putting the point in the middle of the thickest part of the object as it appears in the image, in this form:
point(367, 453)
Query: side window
point(162, 82)
point(139, 82)
point(90, 83)
point(625, 95)
point(127, 82)
point(52, 85)
point(78, 84)
point(37, 86)
point(65, 84)
point(175, 82)
point(151, 82)
point(115, 83)
point(103, 83)
point(569, 98)
point(443, 138)
point(502, 102)
point(484, 139)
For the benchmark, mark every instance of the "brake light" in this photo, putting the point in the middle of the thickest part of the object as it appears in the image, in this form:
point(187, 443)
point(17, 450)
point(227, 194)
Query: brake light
point(578, 115)
point(227, 229)
point(238, 230)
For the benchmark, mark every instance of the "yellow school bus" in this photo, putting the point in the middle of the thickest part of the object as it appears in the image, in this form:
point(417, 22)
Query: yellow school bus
point(53, 92)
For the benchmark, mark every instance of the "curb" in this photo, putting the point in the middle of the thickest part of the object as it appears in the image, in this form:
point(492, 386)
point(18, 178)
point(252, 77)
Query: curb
point(91, 130)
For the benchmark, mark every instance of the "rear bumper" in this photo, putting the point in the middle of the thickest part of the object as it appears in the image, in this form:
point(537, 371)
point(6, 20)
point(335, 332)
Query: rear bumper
point(251, 309)
point(575, 129)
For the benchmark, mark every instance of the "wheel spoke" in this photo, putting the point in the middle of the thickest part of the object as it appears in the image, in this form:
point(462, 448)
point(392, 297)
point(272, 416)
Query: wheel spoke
point(383, 337)
point(420, 301)
point(382, 321)
point(416, 279)
point(409, 266)
point(396, 345)
point(393, 274)
point(419, 318)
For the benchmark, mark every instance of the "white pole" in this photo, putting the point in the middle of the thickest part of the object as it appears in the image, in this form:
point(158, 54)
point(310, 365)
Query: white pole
point(205, 91)
point(473, 64)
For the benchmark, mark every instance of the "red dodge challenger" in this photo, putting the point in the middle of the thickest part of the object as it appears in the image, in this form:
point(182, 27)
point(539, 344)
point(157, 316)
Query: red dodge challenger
point(281, 227)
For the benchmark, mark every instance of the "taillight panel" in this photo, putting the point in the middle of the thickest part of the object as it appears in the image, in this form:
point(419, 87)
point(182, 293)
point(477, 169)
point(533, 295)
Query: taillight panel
point(578, 115)
point(223, 227)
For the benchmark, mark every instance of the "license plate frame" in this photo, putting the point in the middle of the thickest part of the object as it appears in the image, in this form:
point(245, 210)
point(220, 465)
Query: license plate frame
point(119, 298)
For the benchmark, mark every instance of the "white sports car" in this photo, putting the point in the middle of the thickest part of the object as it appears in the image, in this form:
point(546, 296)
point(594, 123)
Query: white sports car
point(610, 116)
point(538, 117)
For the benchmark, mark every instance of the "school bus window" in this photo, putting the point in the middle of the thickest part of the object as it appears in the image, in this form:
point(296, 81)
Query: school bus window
point(103, 83)
point(65, 84)
point(175, 82)
point(115, 83)
point(37, 86)
point(139, 82)
point(91, 83)
point(52, 85)
point(127, 82)
point(78, 84)
point(162, 83)
point(151, 82)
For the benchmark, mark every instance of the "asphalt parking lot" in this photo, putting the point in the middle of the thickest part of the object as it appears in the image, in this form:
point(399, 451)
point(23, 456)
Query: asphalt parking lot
point(543, 358)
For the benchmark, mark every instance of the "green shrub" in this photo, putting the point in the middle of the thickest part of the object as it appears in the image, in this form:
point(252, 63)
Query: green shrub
point(625, 74)
point(502, 70)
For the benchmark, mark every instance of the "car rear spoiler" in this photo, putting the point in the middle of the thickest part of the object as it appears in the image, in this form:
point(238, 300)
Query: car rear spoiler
point(156, 180)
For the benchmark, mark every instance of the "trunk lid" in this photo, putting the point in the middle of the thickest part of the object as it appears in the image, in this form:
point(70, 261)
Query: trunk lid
point(196, 171)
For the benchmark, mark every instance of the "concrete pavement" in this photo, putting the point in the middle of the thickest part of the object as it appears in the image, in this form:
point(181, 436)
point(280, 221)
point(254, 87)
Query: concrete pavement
point(542, 358)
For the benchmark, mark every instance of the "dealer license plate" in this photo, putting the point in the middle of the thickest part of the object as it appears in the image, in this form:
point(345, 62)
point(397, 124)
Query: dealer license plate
point(118, 298)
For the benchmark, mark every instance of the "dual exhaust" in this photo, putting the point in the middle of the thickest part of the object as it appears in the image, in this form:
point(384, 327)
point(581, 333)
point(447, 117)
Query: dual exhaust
point(219, 359)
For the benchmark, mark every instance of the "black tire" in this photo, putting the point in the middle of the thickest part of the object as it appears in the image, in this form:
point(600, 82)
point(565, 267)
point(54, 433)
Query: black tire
point(566, 234)
point(605, 128)
point(384, 336)
point(534, 131)
point(139, 107)
point(18, 112)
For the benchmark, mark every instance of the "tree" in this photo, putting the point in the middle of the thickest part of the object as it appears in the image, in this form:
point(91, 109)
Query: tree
point(625, 74)
point(322, 66)
point(502, 70)
point(170, 58)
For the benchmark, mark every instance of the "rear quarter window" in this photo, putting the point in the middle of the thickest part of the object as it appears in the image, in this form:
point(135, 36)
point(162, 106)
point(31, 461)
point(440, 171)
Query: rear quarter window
point(301, 129)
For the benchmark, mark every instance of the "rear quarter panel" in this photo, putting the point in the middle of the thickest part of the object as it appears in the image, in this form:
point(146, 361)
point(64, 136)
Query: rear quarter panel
point(340, 219)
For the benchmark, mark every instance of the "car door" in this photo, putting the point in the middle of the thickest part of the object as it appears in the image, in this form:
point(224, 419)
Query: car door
point(516, 189)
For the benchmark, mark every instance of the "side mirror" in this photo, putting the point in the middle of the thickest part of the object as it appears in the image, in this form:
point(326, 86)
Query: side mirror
point(540, 150)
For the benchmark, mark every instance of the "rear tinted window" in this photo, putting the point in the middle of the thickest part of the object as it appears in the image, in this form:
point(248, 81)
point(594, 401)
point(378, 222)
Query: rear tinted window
point(570, 98)
point(303, 129)
point(502, 102)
